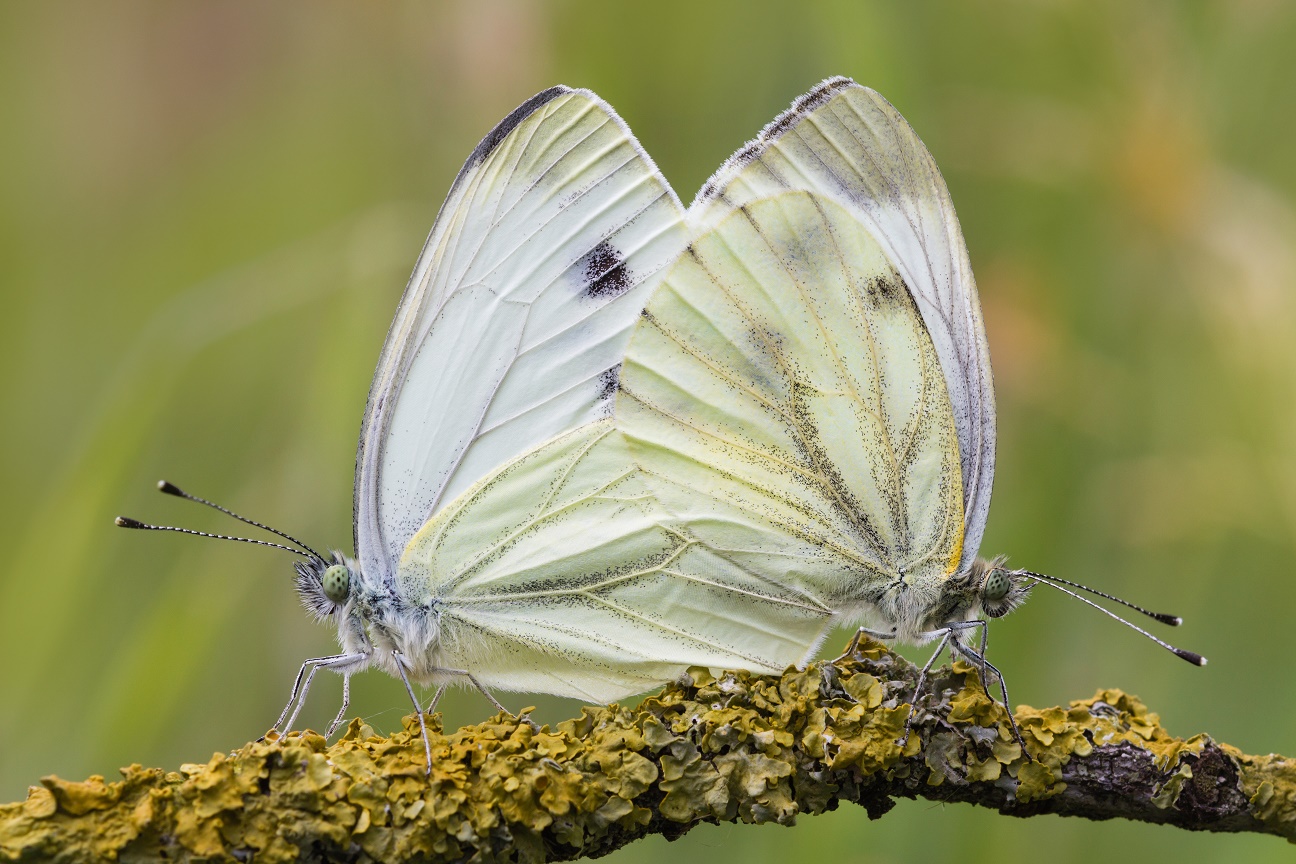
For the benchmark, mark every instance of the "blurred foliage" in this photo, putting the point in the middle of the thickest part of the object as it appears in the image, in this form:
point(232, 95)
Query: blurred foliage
point(208, 211)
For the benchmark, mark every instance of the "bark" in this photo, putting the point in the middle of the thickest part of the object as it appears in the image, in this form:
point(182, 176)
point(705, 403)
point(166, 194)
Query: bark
point(739, 748)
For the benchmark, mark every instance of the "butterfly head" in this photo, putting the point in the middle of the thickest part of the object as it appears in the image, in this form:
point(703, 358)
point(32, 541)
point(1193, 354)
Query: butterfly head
point(326, 585)
point(996, 589)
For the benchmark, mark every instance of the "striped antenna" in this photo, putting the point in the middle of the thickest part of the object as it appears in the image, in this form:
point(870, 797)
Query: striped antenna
point(1172, 620)
point(1191, 656)
point(172, 489)
point(127, 522)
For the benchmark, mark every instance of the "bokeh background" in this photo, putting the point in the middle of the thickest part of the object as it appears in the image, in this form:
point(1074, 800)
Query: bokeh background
point(208, 211)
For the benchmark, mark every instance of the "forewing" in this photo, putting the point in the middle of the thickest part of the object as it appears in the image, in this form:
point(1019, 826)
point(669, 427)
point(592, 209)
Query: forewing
point(517, 313)
point(558, 573)
point(847, 142)
point(786, 402)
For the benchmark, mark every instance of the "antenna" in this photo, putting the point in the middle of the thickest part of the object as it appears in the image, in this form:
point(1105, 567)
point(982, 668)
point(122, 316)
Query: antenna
point(1172, 620)
point(127, 522)
point(172, 489)
point(1191, 656)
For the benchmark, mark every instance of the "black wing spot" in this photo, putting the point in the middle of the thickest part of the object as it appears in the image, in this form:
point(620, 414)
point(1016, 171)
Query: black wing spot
point(888, 288)
point(605, 272)
point(609, 382)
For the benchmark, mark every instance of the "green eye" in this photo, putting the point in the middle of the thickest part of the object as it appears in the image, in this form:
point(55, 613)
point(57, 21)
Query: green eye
point(337, 583)
point(996, 586)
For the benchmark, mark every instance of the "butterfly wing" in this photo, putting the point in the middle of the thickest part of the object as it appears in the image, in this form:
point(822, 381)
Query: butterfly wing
point(847, 142)
point(517, 313)
point(787, 405)
point(558, 573)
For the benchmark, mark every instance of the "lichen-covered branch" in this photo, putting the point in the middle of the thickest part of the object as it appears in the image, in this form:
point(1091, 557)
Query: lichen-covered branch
point(741, 747)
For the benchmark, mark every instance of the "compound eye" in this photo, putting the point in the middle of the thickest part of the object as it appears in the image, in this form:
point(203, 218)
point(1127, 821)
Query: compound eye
point(337, 583)
point(996, 586)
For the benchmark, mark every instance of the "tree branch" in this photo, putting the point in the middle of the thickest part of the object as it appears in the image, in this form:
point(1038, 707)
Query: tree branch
point(740, 748)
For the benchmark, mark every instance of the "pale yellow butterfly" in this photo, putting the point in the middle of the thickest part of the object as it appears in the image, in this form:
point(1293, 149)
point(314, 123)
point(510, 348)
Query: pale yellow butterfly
point(810, 388)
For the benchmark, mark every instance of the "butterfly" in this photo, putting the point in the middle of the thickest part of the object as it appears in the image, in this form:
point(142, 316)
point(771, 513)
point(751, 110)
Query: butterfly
point(504, 537)
point(810, 391)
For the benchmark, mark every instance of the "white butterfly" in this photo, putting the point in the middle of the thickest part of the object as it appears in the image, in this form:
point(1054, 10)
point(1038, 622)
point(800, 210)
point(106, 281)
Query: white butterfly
point(509, 335)
point(506, 345)
point(846, 142)
point(808, 275)
point(504, 535)
point(809, 390)
point(788, 407)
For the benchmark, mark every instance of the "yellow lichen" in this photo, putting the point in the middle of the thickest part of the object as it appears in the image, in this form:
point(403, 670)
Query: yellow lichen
point(732, 747)
point(1269, 782)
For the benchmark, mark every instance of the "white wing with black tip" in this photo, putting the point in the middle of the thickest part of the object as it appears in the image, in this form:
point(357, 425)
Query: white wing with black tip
point(517, 314)
point(847, 142)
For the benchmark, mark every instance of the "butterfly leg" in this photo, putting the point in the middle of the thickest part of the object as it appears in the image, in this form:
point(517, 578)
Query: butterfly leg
point(301, 700)
point(922, 678)
point(418, 709)
point(302, 685)
point(296, 688)
point(985, 643)
point(481, 689)
point(535, 727)
point(853, 645)
point(436, 700)
point(346, 703)
point(985, 646)
point(338, 663)
point(985, 664)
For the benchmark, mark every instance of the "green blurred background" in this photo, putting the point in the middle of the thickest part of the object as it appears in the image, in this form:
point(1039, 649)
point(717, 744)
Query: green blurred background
point(209, 211)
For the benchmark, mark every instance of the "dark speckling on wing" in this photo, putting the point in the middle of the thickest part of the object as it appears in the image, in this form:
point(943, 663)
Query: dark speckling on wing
point(803, 106)
point(605, 272)
point(848, 143)
point(771, 133)
point(609, 383)
point(508, 124)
